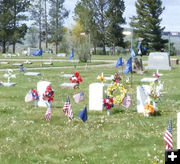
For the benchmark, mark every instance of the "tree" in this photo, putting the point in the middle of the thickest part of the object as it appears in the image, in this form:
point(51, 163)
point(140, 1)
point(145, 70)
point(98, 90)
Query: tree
point(57, 15)
point(147, 23)
point(19, 7)
point(6, 23)
point(37, 15)
point(92, 15)
point(115, 20)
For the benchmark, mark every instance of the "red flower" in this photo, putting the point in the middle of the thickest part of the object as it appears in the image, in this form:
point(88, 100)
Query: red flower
point(108, 106)
point(104, 101)
point(111, 100)
point(76, 74)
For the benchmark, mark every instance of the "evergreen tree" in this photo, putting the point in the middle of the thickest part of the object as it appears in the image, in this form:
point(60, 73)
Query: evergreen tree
point(6, 23)
point(147, 23)
point(115, 20)
point(37, 15)
point(57, 14)
point(19, 7)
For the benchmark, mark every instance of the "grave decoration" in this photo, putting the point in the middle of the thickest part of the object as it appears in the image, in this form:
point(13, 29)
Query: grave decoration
point(101, 78)
point(111, 98)
point(9, 76)
point(117, 77)
point(48, 97)
point(32, 95)
point(76, 78)
point(67, 109)
point(155, 93)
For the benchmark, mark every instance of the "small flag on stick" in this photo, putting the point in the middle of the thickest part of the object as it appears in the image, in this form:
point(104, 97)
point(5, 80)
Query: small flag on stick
point(83, 115)
point(119, 62)
point(168, 137)
point(78, 97)
point(67, 109)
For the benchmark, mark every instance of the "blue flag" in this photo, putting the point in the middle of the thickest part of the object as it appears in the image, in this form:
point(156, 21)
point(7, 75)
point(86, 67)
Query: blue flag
point(129, 66)
point(119, 62)
point(139, 45)
point(133, 55)
point(71, 54)
point(22, 69)
point(83, 115)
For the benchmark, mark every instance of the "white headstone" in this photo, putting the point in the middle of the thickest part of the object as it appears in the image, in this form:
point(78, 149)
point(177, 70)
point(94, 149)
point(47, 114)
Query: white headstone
point(142, 96)
point(41, 88)
point(68, 85)
point(61, 55)
point(148, 79)
point(159, 60)
point(96, 94)
point(32, 74)
point(18, 64)
point(178, 130)
point(67, 75)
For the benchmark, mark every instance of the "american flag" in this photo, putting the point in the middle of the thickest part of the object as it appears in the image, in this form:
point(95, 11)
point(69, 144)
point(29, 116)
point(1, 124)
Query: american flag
point(67, 109)
point(168, 137)
point(78, 97)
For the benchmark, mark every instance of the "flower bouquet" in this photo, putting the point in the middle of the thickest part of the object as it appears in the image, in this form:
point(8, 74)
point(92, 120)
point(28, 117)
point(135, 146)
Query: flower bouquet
point(117, 77)
point(76, 78)
point(108, 104)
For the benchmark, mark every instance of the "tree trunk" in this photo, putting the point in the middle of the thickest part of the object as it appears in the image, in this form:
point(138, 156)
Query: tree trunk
point(104, 49)
point(56, 47)
point(14, 47)
point(95, 49)
point(40, 24)
point(3, 47)
point(46, 31)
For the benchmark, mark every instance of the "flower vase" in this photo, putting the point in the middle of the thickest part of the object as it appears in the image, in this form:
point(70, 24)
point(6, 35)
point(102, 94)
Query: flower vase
point(108, 112)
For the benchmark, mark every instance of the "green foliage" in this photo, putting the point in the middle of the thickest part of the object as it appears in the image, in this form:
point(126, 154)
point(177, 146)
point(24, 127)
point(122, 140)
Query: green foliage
point(102, 20)
point(172, 49)
point(147, 23)
point(115, 20)
point(83, 52)
point(57, 15)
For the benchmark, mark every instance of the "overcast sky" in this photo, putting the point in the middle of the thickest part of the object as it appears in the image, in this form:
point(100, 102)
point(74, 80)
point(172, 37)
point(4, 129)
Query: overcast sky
point(170, 16)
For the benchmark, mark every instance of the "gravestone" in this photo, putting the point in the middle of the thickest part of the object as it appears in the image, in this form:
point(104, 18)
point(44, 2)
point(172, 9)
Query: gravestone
point(61, 55)
point(27, 62)
point(4, 63)
point(148, 79)
point(32, 74)
point(18, 64)
point(68, 85)
point(137, 65)
point(41, 88)
point(159, 61)
point(96, 95)
point(67, 75)
point(142, 97)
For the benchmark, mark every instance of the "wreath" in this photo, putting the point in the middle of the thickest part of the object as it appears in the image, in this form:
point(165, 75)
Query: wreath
point(114, 88)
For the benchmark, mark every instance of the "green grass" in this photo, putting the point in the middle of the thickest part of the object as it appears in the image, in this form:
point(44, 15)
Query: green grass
point(39, 64)
point(124, 137)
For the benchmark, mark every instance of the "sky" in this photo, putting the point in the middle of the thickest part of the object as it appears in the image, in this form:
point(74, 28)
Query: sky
point(170, 16)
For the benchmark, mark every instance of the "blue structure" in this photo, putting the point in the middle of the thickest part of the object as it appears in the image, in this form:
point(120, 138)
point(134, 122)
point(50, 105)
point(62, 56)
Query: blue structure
point(38, 53)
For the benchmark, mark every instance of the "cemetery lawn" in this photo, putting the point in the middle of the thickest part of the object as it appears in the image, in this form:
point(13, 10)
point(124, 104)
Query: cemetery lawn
point(40, 64)
point(124, 137)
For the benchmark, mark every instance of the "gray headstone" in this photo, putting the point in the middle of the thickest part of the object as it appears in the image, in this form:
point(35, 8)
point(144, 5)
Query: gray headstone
point(159, 61)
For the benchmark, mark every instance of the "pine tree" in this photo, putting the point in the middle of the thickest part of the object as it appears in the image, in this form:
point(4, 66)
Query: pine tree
point(115, 20)
point(6, 23)
point(19, 7)
point(147, 23)
point(37, 14)
point(57, 15)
